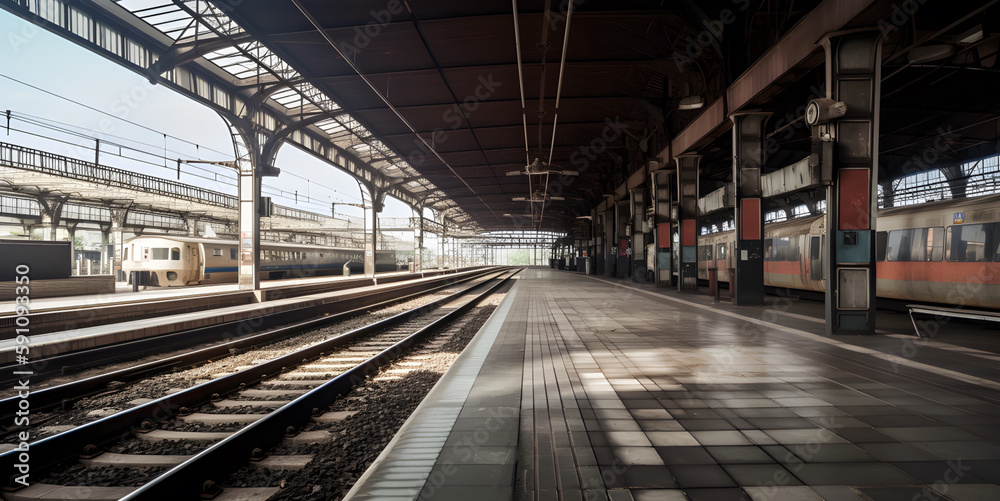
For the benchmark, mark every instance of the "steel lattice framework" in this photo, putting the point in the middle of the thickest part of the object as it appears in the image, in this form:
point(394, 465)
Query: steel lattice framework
point(193, 47)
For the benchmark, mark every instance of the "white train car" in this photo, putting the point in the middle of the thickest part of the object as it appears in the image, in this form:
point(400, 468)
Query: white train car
point(176, 261)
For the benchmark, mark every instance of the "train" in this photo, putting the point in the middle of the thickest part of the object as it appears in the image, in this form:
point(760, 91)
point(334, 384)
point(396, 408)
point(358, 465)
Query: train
point(945, 252)
point(179, 261)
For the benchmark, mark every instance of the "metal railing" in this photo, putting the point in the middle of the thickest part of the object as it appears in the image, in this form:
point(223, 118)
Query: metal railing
point(40, 161)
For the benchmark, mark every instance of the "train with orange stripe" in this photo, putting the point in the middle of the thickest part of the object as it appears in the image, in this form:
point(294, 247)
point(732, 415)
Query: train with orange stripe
point(944, 252)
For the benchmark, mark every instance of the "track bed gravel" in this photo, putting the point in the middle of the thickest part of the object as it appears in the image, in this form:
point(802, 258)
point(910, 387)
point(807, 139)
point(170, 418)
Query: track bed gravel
point(122, 395)
point(381, 407)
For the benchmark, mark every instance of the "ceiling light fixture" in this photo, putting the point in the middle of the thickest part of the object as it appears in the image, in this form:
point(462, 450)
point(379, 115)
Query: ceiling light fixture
point(691, 103)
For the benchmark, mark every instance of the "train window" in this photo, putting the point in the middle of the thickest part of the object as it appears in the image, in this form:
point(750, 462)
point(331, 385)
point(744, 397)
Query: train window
point(935, 244)
point(996, 244)
point(815, 250)
point(720, 251)
point(160, 253)
point(704, 252)
point(899, 245)
point(928, 244)
point(175, 254)
point(125, 254)
point(232, 253)
point(968, 242)
point(918, 244)
point(781, 249)
point(881, 241)
point(216, 252)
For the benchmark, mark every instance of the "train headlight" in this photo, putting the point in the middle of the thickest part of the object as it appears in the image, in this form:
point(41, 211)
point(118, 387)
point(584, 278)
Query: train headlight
point(171, 275)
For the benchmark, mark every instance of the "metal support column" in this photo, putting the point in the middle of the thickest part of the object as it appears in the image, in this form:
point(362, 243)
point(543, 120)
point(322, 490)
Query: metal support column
point(688, 166)
point(118, 217)
point(371, 246)
point(623, 241)
point(442, 240)
point(850, 170)
point(107, 254)
point(51, 212)
point(192, 225)
point(74, 265)
point(662, 198)
point(419, 252)
point(637, 260)
point(748, 156)
point(888, 194)
point(249, 191)
point(253, 161)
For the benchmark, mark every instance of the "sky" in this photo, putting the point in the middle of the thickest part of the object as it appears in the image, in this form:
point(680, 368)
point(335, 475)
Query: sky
point(48, 68)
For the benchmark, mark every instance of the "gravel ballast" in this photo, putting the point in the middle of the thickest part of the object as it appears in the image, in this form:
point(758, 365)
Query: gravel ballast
point(381, 407)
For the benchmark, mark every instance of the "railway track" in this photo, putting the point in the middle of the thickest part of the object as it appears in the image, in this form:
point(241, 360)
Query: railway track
point(263, 325)
point(269, 402)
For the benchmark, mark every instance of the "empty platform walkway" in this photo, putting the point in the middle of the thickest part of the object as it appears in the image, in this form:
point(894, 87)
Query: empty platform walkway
point(579, 388)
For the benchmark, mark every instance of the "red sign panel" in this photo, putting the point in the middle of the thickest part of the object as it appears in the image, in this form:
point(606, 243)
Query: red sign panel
point(750, 219)
point(663, 235)
point(689, 233)
point(855, 200)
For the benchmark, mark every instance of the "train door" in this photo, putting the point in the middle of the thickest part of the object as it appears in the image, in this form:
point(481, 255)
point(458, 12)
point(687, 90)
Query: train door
point(815, 257)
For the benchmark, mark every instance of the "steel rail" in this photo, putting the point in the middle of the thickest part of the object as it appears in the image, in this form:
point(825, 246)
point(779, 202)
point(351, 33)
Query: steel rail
point(67, 446)
point(63, 394)
point(180, 339)
point(187, 480)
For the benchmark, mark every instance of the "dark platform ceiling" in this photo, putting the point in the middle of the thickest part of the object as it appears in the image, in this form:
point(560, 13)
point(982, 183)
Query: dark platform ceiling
point(433, 56)
point(451, 66)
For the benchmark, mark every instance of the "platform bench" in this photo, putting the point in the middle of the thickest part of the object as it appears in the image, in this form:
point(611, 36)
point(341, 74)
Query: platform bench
point(940, 311)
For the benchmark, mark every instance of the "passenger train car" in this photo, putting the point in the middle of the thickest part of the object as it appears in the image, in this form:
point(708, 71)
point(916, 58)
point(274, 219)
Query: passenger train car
point(942, 252)
point(175, 261)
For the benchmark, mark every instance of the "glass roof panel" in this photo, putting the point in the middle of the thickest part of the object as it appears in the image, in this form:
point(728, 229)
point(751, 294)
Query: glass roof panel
point(251, 60)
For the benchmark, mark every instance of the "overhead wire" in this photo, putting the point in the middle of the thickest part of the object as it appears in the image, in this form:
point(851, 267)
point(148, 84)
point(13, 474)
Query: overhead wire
point(78, 103)
point(81, 132)
point(555, 117)
point(326, 36)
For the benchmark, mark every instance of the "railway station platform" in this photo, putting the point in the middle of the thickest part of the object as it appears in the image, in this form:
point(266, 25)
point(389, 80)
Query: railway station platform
point(585, 388)
point(125, 295)
point(66, 325)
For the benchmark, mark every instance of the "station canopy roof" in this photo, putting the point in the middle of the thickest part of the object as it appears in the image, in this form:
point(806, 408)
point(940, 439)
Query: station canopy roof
point(450, 98)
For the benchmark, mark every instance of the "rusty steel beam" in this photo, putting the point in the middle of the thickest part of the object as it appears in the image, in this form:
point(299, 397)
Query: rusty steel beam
point(793, 48)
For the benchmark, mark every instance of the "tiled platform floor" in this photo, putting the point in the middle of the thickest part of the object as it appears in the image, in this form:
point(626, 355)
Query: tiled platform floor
point(645, 394)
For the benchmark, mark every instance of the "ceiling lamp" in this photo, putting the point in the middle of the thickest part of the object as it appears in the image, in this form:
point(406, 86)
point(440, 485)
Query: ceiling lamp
point(538, 196)
point(691, 103)
point(537, 168)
